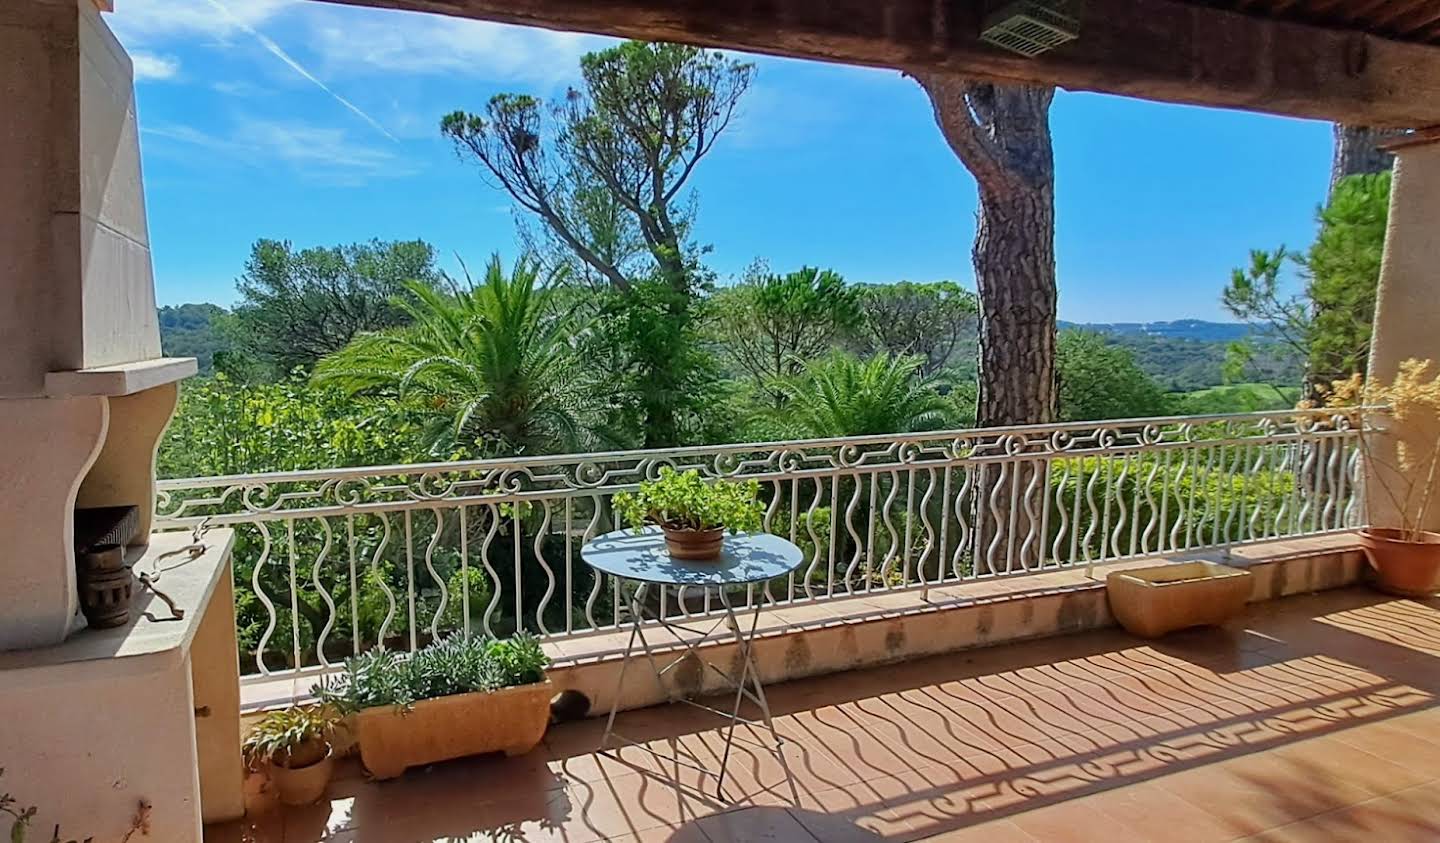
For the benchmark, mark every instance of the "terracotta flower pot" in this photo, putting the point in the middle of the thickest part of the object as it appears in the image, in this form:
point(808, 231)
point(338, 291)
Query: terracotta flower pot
point(305, 784)
point(510, 720)
point(1403, 567)
point(1150, 602)
point(695, 545)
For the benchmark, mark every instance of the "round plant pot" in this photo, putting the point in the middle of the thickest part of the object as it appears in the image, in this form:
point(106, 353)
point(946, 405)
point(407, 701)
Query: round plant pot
point(105, 586)
point(695, 545)
point(1403, 567)
point(303, 785)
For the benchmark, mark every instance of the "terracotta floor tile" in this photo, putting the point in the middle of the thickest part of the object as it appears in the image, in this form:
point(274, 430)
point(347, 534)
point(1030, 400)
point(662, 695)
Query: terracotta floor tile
point(858, 806)
point(1247, 798)
point(265, 829)
point(1396, 745)
point(636, 803)
point(996, 831)
point(1393, 819)
point(758, 825)
point(1073, 822)
point(1159, 814)
point(1328, 758)
point(690, 833)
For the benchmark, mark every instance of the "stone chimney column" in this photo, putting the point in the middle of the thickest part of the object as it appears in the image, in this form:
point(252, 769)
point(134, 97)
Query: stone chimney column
point(84, 391)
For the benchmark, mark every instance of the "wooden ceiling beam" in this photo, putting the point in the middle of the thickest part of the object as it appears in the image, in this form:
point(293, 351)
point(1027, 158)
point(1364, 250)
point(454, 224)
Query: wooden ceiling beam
point(1151, 49)
point(1418, 17)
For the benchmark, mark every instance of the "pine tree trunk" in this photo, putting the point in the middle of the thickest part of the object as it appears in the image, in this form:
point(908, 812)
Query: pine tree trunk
point(1358, 152)
point(1002, 135)
point(1015, 276)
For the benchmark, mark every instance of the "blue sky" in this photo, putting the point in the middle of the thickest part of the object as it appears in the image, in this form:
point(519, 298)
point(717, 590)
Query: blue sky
point(318, 123)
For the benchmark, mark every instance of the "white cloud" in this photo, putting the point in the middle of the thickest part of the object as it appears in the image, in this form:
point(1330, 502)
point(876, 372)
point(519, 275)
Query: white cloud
point(279, 52)
point(153, 66)
point(237, 88)
point(319, 154)
point(152, 21)
point(400, 43)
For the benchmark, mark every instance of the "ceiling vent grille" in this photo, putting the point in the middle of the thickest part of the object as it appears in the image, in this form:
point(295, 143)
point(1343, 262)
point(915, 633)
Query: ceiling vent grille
point(1031, 27)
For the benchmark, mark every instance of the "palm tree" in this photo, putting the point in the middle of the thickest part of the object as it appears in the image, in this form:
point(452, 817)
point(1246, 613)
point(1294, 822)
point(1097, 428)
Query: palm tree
point(490, 367)
point(839, 395)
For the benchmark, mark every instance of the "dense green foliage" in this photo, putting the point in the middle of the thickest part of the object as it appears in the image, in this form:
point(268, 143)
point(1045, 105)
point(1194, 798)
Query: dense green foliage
point(1235, 398)
point(454, 664)
point(195, 330)
point(939, 322)
point(226, 427)
point(1102, 381)
point(841, 395)
point(489, 369)
point(298, 306)
point(770, 325)
point(1327, 323)
point(1185, 364)
point(683, 501)
point(603, 172)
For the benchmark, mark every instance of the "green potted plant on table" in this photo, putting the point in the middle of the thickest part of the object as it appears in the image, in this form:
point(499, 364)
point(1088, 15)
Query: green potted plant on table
point(693, 514)
point(1402, 478)
point(455, 697)
point(294, 745)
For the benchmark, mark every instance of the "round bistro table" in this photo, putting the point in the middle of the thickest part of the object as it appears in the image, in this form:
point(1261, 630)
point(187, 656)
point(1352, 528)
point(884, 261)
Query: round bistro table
point(639, 556)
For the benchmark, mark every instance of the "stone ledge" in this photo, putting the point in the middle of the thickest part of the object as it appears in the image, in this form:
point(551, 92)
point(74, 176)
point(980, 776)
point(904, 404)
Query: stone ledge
point(811, 639)
point(118, 379)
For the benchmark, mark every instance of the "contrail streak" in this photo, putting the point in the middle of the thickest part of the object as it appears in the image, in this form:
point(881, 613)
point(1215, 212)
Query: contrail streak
point(279, 53)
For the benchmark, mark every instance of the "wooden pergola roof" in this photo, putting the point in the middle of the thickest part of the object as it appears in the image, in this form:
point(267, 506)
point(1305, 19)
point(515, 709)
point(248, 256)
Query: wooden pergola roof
point(1402, 20)
point(1369, 62)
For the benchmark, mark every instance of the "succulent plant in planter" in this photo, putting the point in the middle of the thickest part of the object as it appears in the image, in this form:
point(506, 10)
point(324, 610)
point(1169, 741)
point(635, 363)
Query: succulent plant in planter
point(457, 696)
point(694, 514)
point(294, 743)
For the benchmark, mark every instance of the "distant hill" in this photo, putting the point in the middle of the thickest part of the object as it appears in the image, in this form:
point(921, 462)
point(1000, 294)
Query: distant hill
point(1180, 329)
point(190, 330)
point(1189, 354)
point(1181, 355)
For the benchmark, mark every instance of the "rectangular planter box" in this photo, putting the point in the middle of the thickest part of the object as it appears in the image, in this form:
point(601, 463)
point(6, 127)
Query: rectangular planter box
point(510, 720)
point(1150, 602)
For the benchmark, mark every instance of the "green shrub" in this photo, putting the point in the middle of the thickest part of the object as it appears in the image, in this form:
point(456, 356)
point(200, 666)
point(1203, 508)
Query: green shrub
point(300, 733)
point(222, 426)
point(451, 665)
point(686, 502)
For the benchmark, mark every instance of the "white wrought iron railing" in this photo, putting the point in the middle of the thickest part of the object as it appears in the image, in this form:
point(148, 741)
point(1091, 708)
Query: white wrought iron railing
point(331, 562)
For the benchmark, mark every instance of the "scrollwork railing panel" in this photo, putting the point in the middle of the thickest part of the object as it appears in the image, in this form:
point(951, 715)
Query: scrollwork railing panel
point(334, 561)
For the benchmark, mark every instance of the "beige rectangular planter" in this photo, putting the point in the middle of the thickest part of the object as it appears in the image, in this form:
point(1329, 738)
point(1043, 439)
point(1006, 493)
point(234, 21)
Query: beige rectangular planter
point(1150, 602)
point(510, 720)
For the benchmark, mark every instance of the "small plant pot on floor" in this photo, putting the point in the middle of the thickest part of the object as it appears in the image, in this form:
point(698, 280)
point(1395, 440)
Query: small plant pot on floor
point(1151, 602)
point(510, 720)
point(303, 785)
point(1404, 566)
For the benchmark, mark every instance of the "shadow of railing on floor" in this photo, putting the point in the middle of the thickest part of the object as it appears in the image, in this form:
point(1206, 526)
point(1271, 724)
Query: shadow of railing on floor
point(1031, 732)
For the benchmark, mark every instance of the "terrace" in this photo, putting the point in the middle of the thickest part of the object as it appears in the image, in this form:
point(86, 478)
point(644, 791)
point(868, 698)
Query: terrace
point(1312, 718)
point(942, 663)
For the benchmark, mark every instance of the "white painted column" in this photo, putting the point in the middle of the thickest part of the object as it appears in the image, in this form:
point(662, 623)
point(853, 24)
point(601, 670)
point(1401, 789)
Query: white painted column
point(1407, 311)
